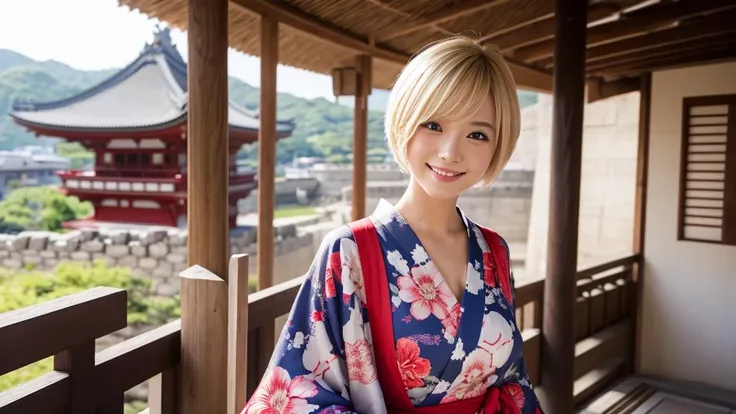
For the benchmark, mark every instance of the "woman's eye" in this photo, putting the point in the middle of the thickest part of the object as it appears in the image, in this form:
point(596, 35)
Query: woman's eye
point(478, 135)
point(433, 126)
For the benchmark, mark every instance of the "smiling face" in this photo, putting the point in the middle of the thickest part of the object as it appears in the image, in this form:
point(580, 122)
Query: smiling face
point(446, 157)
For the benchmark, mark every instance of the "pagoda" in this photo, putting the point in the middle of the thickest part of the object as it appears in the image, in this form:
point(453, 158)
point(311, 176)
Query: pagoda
point(135, 122)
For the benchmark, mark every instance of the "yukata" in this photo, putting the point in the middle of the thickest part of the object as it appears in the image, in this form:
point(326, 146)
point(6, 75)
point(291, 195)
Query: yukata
point(442, 352)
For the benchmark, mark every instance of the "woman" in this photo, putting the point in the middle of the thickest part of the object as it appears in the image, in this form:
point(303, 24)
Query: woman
point(412, 309)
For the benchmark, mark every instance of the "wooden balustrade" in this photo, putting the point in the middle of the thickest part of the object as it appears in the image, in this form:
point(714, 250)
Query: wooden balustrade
point(66, 328)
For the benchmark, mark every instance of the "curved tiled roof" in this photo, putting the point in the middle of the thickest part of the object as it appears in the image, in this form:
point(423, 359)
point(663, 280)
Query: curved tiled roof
point(150, 93)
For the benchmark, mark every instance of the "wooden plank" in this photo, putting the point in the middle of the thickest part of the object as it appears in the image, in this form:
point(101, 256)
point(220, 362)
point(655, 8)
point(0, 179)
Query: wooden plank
point(30, 334)
point(591, 271)
point(237, 358)
point(532, 353)
point(634, 23)
point(203, 342)
point(266, 305)
point(529, 291)
point(567, 141)
point(360, 137)
point(593, 351)
point(79, 363)
point(116, 406)
point(267, 150)
point(598, 89)
point(597, 310)
point(613, 301)
point(208, 242)
point(162, 392)
point(124, 365)
point(47, 394)
point(729, 200)
point(595, 381)
point(582, 318)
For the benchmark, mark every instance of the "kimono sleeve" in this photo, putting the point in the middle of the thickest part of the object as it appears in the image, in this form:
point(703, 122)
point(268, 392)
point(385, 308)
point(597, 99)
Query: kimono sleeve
point(307, 372)
point(517, 381)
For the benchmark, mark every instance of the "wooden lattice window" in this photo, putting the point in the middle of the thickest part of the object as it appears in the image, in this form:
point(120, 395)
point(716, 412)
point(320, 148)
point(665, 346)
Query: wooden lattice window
point(708, 170)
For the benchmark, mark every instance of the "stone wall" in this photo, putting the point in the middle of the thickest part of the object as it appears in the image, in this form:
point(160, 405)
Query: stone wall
point(158, 254)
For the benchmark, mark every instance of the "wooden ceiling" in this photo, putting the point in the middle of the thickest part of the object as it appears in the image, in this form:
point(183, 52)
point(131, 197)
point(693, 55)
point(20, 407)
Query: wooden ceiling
point(625, 38)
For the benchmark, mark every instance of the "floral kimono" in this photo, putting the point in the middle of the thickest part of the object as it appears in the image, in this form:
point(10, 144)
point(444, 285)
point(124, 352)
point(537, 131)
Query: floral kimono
point(340, 352)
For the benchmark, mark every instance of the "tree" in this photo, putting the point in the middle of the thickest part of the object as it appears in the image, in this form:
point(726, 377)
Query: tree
point(40, 208)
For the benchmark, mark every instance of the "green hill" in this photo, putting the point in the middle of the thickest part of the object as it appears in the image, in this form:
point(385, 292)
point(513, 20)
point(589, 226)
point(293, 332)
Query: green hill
point(323, 128)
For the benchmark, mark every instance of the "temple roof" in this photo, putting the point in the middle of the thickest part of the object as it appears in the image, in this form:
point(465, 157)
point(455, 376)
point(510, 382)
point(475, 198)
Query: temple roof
point(148, 94)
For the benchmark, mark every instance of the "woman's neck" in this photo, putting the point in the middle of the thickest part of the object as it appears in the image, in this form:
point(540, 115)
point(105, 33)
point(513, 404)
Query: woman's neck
point(428, 214)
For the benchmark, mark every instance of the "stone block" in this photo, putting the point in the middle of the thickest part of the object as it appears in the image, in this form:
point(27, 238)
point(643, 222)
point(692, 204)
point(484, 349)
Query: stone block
point(19, 243)
point(49, 254)
point(167, 287)
point(80, 256)
point(158, 250)
point(109, 261)
point(147, 263)
point(179, 250)
point(66, 245)
point(176, 238)
point(117, 250)
point(169, 267)
point(65, 255)
point(89, 235)
point(6, 241)
point(120, 238)
point(128, 261)
point(32, 260)
point(162, 272)
point(176, 258)
point(12, 263)
point(50, 263)
point(178, 268)
point(38, 242)
point(29, 252)
point(136, 249)
point(4, 254)
point(93, 246)
point(153, 236)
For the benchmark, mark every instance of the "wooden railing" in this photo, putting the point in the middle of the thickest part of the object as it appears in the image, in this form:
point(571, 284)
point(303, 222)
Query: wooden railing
point(66, 329)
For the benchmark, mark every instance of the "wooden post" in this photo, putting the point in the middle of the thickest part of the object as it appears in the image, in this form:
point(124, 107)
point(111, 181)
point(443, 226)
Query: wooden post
point(558, 355)
point(640, 212)
point(203, 287)
point(237, 336)
point(360, 135)
point(267, 150)
point(207, 154)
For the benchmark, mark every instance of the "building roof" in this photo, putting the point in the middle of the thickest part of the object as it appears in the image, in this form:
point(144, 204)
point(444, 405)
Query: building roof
point(148, 94)
point(625, 38)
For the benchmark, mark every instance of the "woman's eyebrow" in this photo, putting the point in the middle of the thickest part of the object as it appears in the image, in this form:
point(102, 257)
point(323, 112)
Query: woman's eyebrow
point(483, 123)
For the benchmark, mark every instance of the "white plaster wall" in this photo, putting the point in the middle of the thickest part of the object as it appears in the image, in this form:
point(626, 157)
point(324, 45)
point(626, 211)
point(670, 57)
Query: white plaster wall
point(608, 179)
point(689, 309)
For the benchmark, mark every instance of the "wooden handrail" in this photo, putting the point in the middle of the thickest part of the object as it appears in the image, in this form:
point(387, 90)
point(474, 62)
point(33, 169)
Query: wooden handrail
point(625, 261)
point(30, 334)
point(268, 304)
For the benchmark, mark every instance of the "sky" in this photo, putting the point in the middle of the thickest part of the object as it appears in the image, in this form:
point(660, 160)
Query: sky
point(100, 34)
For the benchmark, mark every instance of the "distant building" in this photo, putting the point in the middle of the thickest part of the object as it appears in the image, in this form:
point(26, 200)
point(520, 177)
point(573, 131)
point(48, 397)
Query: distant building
point(136, 124)
point(28, 169)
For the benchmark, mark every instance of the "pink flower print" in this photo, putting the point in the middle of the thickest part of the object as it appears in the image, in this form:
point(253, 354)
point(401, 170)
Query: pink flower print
point(516, 393)
point(489, 269)
point(412, 367)
point(360, 362)
point(332, 272)
point(424, 289)
point(279, 394)
point(452, 320)
point(476, 374)
point(350, 263)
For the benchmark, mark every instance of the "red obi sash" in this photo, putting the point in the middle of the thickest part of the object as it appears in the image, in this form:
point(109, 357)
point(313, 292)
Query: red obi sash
point(380, 317)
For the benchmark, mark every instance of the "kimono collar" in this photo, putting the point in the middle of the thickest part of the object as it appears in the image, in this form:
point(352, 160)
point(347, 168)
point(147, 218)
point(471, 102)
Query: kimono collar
point(390, 218)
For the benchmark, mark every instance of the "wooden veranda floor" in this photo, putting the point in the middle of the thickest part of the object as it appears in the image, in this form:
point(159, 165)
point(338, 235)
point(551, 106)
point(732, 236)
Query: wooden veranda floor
point(641, 395)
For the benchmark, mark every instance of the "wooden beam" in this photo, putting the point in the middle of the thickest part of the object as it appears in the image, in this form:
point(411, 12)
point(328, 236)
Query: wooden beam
point(672, 61)
point(237, 335)
point(634, 23)
point(664, 51)
point(705, 28)
point(320, 29)
point(207, 138)
point(544, 29)
point(558, 353)
point(599, 89)
point(267, 150)
point(360, 136)
point(526, 77)
point(450, 12)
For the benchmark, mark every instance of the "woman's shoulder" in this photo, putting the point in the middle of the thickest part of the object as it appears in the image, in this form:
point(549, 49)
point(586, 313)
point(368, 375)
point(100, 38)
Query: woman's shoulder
point(336, 237)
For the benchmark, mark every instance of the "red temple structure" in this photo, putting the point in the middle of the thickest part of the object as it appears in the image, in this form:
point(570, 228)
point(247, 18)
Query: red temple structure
point(136, 124)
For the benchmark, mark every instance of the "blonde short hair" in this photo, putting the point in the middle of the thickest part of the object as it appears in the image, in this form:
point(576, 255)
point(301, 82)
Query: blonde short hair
point(448, 80)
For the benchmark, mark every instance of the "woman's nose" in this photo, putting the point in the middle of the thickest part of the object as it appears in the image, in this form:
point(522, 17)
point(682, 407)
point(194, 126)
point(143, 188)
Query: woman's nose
point(450, 150)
